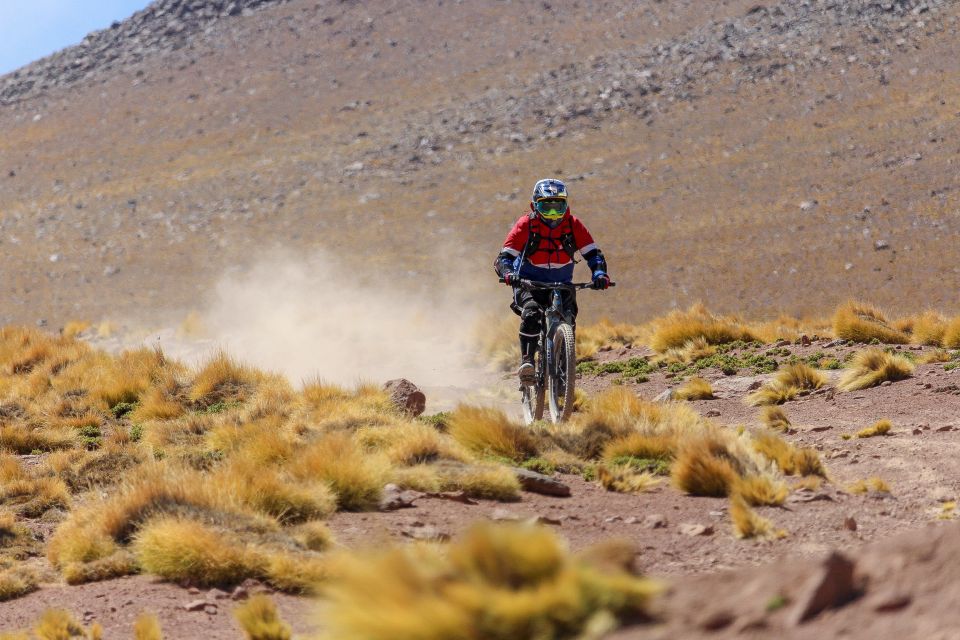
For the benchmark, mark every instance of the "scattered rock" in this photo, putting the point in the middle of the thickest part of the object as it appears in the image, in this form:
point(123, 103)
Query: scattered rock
point(454, 496)
point(421, 531)
point(240, 593)
point(889, 600)
point(664, 396)
point(406, 396)
point(196, 605)
point(539, 483)
point(808, 205)
point(692, 529)
point(849, 523)
point(395, 498)
point(831, 585)
point(655, 521)
point(217, 594)
point(713, 413)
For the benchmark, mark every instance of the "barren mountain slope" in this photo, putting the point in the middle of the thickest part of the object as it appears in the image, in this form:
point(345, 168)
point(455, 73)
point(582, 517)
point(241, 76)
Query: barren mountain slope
point(404, 138)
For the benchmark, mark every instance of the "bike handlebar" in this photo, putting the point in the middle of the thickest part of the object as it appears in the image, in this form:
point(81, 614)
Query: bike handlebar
point(530, 284)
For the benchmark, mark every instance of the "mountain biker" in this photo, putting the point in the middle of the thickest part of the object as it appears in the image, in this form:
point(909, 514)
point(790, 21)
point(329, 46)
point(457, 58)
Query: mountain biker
point(541, 247)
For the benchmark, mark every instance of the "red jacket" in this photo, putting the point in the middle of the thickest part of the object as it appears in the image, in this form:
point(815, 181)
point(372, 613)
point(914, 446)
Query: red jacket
point(548, 262)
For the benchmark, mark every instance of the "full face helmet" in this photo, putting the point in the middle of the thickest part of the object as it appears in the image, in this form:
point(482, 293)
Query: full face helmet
point(549, 201)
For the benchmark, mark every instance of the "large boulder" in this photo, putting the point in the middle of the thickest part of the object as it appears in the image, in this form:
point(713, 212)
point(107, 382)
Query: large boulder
point(406, 396)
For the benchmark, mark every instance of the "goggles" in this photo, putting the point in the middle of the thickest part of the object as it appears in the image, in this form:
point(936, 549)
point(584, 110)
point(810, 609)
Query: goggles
point(551, 208)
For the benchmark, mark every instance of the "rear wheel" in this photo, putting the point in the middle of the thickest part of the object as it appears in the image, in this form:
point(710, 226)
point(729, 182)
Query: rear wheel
point(562, 373)
point(532, 396)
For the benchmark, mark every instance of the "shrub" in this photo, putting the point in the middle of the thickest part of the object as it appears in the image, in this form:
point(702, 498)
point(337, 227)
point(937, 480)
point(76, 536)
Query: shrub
point(694, 389)
point(929, 329)
point(873, 366)
point(775, 418)
point(790, 460)
point(746, 522)
point(356, 478)
point(147, 627)
point(702, 468)
point(680, 327)
point(801, 376)
point(624, 478)
point(489, 432)
point(860, 322)
point(880, 428)
point(259, 620)
point(773, 393)
point(498, 583)
point(951, 334)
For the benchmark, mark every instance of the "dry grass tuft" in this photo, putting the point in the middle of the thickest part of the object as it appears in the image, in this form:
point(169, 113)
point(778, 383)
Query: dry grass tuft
point(929, 328)
point(790, 459)
point(679, 327)
point(691, 351)
point(875, 484)
point(935, 356)
point(772, 393)
point(56, 624)
point(860, 322)
point(221, 380)
point(602, 335)
point(356, 478)
point(951, 334)
point(497, 583)
point(16, 582)
point(873, 366)
point(801, 376)
point(488, 481)
point(489, 432)
point(259, 620)
point(120, 563)
point(880, 428)
point(747, 523)
point(188, 551)
point(147, 627)
point(694, 389)
point(625, 479)
point(639, 445)
point(761, 490)
point(775, 418)
point(703, 468)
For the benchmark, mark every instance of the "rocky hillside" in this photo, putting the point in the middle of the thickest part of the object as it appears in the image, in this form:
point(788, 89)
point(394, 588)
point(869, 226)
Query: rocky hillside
point(759, 156)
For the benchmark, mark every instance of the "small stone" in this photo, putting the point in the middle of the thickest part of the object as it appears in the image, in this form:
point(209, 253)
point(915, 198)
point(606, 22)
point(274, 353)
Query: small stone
point(240, 593)
point(504, 515)
point(217, 594)
point(655, 521)
point(195, 605)
point(210, 609)
point(713, 413)
point(849, 523)
point(808, 205)
point(885, 383)
point(534, 482)
point(692, 529)
point(890, 601)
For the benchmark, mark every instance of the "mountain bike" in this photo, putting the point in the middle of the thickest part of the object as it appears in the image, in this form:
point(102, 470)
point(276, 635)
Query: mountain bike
point(555, 360)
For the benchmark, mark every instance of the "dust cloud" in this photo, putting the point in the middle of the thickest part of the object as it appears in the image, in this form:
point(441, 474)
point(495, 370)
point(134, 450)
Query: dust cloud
point(306, 318)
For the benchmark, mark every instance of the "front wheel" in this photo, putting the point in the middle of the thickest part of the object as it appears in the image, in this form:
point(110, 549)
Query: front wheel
point(562, 373)
point(532, 397)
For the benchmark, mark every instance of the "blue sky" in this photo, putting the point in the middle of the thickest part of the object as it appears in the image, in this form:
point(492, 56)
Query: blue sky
point(32, 29)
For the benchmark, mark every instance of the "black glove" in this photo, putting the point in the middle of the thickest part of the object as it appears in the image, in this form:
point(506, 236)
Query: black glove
point(600, 280)
point(510, 277)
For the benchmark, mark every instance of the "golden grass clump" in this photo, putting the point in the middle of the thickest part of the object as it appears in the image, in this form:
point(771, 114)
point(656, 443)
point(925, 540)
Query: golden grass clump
point(488, 431)
point(639, 445)
point(951, 334)
point(861, 322)
point(624, 478)
point(604, 335)
point(120, 563)
point(691, 351)
point(268, 491)
point(221, 379)
point(16, 582)
point(679, 327)
point(409, 444)
point(185, 550)
point(420, 477)
point(775, 418)
point(147, 627)
point(935, 356)
point(801, 376)
point(500, 582)
point(929, 328)
point(746, 522)
point(879, 428)
point(695, 389)
point(314, 535)
point(773, 393)
point(790, 459)
point(874, 484)
point(355, 477)
point(761, 490)
point(259, 619)
point(870, 367)
point(703, 468)
point(487, 481)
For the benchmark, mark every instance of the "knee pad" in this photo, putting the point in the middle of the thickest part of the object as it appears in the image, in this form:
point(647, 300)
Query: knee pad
point(530, 319)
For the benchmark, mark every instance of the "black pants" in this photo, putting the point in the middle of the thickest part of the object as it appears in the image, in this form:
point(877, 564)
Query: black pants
point(529, 305)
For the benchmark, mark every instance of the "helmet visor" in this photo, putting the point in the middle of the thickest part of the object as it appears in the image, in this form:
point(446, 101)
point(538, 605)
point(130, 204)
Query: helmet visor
point(552, 208)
